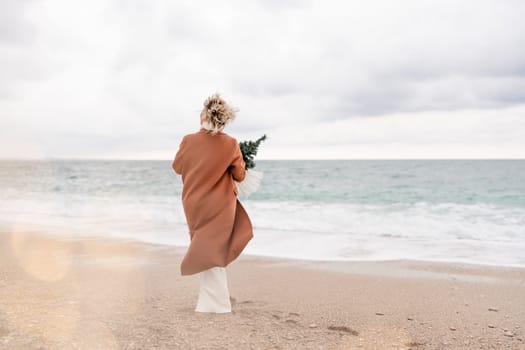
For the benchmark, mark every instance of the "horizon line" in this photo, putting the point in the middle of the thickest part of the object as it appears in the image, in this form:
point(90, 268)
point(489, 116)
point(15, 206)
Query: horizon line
point(261, 159)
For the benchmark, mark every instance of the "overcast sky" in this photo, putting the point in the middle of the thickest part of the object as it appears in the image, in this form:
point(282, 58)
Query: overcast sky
point(323, 79)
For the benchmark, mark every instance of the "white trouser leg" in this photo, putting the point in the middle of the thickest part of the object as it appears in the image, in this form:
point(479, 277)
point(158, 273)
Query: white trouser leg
point(214, 295)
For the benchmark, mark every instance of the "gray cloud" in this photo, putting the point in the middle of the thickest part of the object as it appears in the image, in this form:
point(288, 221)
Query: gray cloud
point(144, 68)
point(14, 26)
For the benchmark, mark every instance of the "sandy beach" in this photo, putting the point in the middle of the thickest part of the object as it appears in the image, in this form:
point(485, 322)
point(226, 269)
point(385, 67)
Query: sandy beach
point(62, 292)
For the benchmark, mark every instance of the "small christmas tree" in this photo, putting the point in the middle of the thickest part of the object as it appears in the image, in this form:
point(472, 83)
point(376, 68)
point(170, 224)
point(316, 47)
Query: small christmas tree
point(249, 151)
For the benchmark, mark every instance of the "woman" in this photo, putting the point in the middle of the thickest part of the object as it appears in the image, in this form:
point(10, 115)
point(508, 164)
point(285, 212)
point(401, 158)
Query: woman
point(209, 161)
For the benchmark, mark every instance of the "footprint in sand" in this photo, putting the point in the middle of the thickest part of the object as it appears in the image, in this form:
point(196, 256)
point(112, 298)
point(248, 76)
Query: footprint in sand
point(287, 320)
point(246, 302)
point(343, 329)
point(253, 303)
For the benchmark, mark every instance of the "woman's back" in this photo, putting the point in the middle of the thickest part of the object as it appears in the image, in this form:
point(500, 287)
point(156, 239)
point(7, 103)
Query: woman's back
point(208, 165)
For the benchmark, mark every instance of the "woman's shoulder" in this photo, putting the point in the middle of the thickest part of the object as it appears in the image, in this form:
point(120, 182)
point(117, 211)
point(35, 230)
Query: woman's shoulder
point(231, 139)
point(220, 134)
point(192, 135)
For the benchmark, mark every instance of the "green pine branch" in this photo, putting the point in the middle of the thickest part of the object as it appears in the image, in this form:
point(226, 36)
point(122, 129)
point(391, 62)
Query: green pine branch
point(249, 151)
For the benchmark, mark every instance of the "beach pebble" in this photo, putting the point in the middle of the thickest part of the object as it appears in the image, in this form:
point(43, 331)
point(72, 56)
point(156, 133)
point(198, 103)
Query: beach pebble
point(380, 314)
point(312, 325)
point(452, 328)
point(492, 326)
point(410, 318)
point(508, 334)
point(495, 309)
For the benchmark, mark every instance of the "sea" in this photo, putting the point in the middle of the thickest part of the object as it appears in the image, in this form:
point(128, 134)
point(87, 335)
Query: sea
point(468, 211)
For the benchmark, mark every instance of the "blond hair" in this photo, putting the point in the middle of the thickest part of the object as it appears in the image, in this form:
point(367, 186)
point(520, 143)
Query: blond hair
point(218, 112)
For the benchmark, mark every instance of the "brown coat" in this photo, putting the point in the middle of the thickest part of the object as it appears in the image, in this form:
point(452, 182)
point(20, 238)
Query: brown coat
point(219, 227)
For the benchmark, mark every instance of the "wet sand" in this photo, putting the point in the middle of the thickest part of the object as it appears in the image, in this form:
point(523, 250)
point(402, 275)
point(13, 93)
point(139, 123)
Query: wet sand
point(59, 292)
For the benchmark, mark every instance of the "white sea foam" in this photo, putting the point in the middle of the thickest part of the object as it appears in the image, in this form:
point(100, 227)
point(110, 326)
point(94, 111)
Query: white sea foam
point(476, 233)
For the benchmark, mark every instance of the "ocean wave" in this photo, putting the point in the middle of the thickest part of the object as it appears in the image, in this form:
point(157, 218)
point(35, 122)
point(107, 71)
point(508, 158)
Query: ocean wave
point(470, 211)
point(297, 229)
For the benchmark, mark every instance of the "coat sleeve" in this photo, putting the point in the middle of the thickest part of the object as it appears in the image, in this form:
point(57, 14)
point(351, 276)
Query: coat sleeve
point(237, 166)
point(179, 157)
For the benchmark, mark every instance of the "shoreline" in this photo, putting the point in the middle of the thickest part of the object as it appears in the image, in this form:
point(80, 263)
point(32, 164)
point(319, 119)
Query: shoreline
point(85, 292)
point(65, 233)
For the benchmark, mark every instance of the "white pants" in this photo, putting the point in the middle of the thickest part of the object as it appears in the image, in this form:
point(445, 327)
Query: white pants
point(214, 295)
